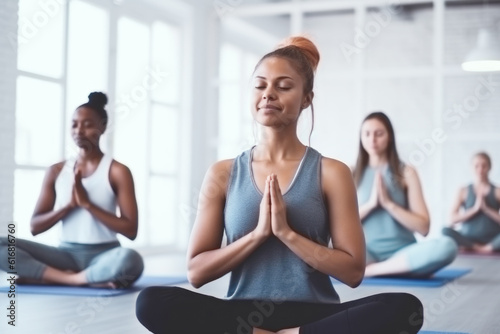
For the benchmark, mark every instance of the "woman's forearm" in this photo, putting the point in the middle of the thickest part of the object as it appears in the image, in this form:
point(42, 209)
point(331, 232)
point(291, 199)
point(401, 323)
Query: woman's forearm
point(211, 265)
point(43, 221)
point(408, 219)
point(492, 213)
point(120, 225)
point(460, 216)
point(337, 263)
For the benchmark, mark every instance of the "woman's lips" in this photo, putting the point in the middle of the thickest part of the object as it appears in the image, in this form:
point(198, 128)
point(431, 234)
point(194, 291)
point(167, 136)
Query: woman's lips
point(269, 107)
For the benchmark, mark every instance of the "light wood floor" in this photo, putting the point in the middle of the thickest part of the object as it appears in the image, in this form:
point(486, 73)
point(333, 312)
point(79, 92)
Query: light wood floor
point(470, 304)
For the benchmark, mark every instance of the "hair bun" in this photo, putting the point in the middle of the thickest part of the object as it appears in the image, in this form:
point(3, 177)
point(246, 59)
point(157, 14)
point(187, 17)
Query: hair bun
point(306, 46)
point(98, 99)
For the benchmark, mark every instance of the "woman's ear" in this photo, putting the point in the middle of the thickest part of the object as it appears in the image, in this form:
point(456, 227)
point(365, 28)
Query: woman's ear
point(307, 100)
point(103, 125)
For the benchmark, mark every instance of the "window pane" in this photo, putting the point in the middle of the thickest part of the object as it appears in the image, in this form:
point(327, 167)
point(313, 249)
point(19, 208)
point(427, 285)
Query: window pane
point(27, 185)
point(132, 70)
point(88, 49)
point(38, 122)
point(41, 37)
point(230, 63)
point(236, 130)
point(130, 129)
point(164, 144)
point(164, 79)
point(162, 210)
point(230, 114)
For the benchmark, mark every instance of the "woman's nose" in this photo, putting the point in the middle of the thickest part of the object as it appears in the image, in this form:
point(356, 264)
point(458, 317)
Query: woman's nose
point(78, 129)
point(268, 94)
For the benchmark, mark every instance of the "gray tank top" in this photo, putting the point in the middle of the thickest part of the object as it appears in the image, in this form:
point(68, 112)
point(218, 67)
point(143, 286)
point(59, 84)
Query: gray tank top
point(273, 271)
point(383, 234)
point(481, 227)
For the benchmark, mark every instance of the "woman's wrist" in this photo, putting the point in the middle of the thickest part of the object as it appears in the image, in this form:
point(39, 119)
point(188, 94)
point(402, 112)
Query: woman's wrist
point(389, 206)
point(287, 235)
point(86, 205)
point(258, 236)
point(68, 207)
point(484, 208)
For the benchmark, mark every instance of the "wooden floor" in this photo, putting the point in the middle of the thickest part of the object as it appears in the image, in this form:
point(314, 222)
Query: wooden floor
point(470, 304)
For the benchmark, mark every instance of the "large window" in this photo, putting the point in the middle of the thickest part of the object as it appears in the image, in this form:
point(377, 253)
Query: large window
point(237, 131)
point(135, 56)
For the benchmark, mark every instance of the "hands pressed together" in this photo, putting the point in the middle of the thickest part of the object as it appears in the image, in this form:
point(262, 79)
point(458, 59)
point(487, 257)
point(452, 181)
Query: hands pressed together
point(79, 196)
point(481, 193)
point(380, 195)
point(272, 216)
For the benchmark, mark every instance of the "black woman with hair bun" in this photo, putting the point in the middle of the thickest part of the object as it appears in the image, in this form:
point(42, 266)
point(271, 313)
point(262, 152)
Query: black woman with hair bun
point(82, 195)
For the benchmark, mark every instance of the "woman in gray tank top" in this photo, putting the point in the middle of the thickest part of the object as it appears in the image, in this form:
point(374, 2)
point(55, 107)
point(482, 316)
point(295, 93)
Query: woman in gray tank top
point(280, 204)
point(392, 208)
point(475, 211)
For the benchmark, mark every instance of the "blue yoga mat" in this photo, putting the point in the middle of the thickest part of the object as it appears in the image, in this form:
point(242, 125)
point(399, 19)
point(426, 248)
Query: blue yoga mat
point(141, 283)
point(440, 332)
point(440, 278)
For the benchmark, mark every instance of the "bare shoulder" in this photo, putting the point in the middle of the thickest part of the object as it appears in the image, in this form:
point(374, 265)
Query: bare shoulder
point(54, 170)
point(222, 166)
point(463, 190)
point(118, 169)
point(497, 193)
point(219, 173)
point(461, 194)
point(409, 172)
point(334, 172)
point(337, 167)
point(214, 188)
point(410, 175)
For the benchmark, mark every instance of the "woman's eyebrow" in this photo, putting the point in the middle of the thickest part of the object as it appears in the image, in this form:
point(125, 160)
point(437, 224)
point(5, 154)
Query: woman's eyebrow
point(278, 78)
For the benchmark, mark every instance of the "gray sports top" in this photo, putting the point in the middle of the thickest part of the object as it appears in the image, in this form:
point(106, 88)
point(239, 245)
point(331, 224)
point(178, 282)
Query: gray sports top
point(481, 227)
point(383, 234)
point(273, 271)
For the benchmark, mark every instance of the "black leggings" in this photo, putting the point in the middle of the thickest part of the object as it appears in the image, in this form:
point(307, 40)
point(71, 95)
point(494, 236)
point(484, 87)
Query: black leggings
point(175, 310)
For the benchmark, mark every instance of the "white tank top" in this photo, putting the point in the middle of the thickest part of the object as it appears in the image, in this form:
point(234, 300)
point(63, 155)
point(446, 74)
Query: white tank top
point(79, 226)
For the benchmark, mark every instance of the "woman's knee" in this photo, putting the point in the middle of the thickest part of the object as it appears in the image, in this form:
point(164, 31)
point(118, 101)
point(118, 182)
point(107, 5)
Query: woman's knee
point(130, 266)
point(145, 306)
point(119, 265)
point(154, 305)
point(446, 249)
point(409, 307)
point(413, 309)
point(146, 300)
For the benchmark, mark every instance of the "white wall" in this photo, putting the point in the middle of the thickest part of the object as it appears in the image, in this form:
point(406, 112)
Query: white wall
point(8, 60)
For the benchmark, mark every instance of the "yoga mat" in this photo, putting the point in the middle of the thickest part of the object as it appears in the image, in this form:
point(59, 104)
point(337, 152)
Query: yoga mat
point(471, 253)
point(440, 332)
point(440, 278)
point(141, 283)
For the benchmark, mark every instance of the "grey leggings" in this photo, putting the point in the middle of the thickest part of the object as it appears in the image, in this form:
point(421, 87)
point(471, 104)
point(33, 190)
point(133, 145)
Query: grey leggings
point(102, 262)
point(425, 257)
point(468, 241)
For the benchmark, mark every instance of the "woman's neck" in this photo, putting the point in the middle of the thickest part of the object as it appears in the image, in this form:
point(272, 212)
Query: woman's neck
point(377, 161)
point(90, 154)
point(279, 144)
point(482, 180)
